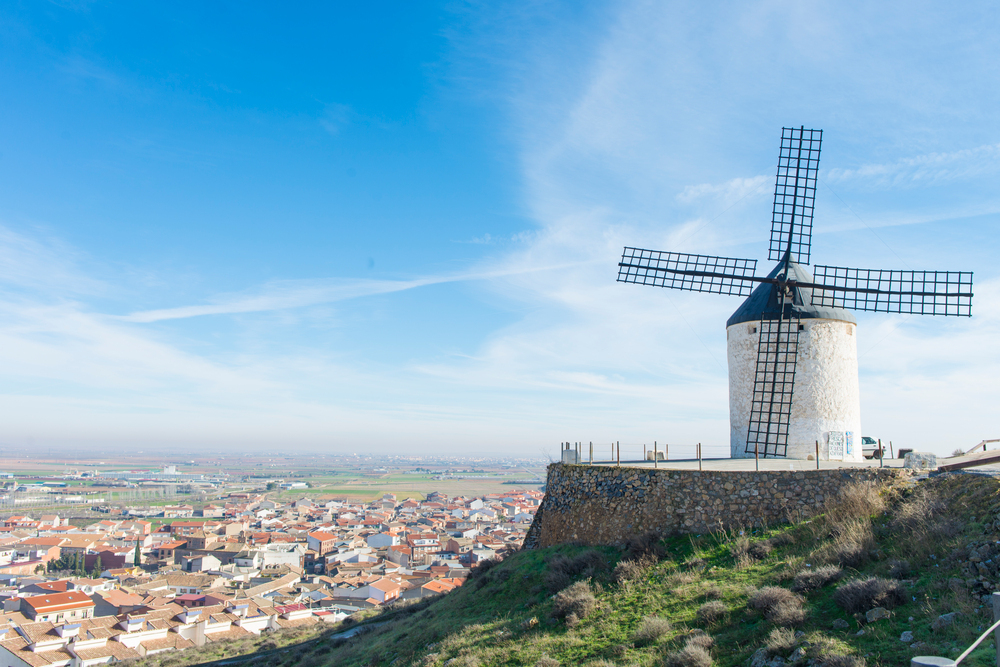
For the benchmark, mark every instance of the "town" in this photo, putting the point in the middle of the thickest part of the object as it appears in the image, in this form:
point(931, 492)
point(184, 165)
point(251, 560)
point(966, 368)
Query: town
point(128, 586)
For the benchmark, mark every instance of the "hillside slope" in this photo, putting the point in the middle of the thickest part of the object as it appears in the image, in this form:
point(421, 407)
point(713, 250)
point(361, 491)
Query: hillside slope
point(795, 594)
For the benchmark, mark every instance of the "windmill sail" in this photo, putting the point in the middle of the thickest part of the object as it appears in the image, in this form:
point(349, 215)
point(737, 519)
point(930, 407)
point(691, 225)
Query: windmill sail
point(887, 291)
point(694, 273)
point(795, 194)
point(773, 387)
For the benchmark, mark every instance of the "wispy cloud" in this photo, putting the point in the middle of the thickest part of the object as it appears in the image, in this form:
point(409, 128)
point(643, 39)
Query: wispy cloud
point(923, 170)
point(282, 295)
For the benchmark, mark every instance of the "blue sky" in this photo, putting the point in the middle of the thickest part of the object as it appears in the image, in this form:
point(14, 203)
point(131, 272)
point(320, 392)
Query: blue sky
point(396, 228)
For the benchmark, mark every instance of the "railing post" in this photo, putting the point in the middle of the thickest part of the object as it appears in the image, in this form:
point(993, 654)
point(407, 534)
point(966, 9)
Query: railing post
point(817, 455)
point(881, 455)
point(666, 451)
point(591, 452)
point(699, 456)
point(996, 617)
point(618, 443)
point(656, 454)
point(756, 456)
point(644, 451)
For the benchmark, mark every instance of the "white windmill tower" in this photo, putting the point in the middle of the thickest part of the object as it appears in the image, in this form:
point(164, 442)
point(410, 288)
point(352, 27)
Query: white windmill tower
point(794, 335)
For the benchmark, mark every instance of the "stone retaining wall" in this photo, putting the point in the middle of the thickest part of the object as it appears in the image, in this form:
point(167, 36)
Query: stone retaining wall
point(605, 504)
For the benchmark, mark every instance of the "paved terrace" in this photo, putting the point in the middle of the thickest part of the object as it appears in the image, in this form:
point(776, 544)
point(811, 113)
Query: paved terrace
point(750, 464)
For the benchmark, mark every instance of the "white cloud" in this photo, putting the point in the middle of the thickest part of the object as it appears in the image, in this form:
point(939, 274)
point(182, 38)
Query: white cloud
point(923, 170)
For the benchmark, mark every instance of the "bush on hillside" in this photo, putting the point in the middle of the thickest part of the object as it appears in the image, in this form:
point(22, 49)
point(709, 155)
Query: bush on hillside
point(575, 602)
point(647, 545)
point(778, 605)
point(781, 640)
point(694, 654)
point(841, 661)
point(546, 661)
point(651, 630)
point(814, 578)
point(860, 500)
point(710, 612)
point(713, 592)
point(631, 570)
point(563, 569)
point(899, 569)
point(861, 595)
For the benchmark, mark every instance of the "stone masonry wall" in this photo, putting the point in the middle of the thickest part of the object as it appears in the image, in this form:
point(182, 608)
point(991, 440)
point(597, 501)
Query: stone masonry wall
point(605, 504)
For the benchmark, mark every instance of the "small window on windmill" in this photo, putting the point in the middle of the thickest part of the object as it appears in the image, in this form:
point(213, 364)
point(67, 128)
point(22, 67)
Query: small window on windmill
point(751, 329)
point(850, 329)
point(802, 327)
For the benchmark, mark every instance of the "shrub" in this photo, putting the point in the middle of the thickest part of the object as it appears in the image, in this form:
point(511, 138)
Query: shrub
point(814, 578)
point(651, 630)
point(577, 600)
point(689, 656)
point(710, 612)
point(759, 550)
point(782, 540)
point(464, 660)
point(557, 580)
point(647, 545)
point(713, 592)
point(860, 595)
point(563, 569)
point(899, 569)
point(781, 640)
point(700, 639)
point(482, 569)
point(856, 501)
point(841, 661)
point(546, 661)
point(852, 544)
point(779, 605)
point(631, 570)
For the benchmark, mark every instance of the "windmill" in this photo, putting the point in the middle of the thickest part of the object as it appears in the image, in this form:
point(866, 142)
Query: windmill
point(793, 363)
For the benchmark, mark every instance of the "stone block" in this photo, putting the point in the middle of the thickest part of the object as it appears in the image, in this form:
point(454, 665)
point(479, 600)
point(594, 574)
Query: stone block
point(920, 461)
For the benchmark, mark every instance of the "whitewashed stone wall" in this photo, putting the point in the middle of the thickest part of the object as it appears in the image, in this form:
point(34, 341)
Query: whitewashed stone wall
point(826, 398)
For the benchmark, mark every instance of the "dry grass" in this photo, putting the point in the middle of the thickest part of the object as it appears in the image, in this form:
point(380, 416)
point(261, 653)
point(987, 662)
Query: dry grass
point(841, 661)
point(860, 595)
point(922, 522)
point(861, 500)
point(647, 545)
point(781, 640)
point(852, 544)
point(632, 570)
point(563, 570)
point(574, 603)
point(653, 628)
point(778, 605)
point(899, 569)
point(711, 612)
point(546, 661)
point(814, 578)
point(694, 654)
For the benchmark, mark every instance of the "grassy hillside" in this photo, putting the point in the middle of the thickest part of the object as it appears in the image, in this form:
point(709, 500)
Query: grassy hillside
point(792, 594)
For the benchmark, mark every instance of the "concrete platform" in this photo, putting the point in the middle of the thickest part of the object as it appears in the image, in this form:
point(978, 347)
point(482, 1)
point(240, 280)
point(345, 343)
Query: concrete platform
point(749, 464)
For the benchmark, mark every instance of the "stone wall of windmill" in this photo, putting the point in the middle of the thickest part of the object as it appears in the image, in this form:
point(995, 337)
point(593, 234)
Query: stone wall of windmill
point(826, 398)
point(607, 505)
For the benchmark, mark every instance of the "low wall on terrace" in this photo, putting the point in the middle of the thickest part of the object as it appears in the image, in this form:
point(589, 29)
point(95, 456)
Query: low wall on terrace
point(606, 505)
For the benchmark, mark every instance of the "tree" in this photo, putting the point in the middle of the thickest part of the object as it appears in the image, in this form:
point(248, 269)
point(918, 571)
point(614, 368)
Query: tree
point(138, 554)
point(98, 568)
point(271, 486)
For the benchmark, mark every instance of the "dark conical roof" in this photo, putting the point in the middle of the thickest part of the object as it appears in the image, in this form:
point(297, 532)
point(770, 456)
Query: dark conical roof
point(762, 304)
